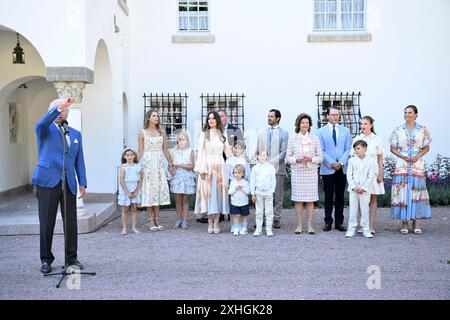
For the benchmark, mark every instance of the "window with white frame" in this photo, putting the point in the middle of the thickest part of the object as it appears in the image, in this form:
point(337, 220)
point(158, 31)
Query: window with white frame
point(339, 15)
point(193, 16)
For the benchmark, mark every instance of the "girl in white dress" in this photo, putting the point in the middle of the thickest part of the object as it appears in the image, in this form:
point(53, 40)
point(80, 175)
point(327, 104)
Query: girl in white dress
point(183, 182)
point(375, 150)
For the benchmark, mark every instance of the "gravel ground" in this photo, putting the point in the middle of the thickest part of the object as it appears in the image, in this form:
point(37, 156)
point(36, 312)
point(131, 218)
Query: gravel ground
point(193, 265)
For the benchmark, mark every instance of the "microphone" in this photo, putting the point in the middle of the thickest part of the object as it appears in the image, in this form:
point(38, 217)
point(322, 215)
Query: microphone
point(65, 126)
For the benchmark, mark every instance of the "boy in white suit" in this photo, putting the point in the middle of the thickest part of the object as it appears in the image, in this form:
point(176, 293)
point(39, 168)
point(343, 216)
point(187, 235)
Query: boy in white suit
point(360, 175)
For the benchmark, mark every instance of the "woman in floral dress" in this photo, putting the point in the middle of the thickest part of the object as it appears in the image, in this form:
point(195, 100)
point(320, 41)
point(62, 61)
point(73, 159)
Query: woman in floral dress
point(410, 201)
point(152, 149)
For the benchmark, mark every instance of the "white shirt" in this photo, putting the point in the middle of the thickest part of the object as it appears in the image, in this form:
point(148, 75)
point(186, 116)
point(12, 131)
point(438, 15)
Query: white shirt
point(67, 136)
point(239, 198)
point(262, 181)
point(361, 172)
point(233, 161)
point(336, 127)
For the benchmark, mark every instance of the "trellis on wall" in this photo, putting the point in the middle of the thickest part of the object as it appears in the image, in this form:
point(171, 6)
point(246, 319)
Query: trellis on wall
point(172, 109)
point(348, 104)
point(232, 104)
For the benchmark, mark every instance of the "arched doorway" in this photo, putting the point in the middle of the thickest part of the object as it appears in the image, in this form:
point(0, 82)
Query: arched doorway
point(101, 122)
point(24, 98)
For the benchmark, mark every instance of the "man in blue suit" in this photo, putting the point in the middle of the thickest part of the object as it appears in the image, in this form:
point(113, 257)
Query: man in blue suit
point(336, 143)
point(52, 138)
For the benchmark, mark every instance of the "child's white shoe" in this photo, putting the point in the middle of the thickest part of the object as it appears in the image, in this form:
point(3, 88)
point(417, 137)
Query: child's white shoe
point(350, 233)
point(257, 233)
point(235, 232)
point(368, 234)
point(269, 232)
point(243, 231)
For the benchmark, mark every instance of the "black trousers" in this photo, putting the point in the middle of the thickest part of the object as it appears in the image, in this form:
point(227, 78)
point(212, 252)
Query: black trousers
point(48, 200)
point(334, 187)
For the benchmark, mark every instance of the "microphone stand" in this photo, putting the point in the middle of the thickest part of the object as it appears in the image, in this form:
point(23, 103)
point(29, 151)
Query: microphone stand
point(65, 269)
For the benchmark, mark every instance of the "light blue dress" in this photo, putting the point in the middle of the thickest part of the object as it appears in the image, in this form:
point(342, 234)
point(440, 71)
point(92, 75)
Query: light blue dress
point(132, 177)
point(183, 182)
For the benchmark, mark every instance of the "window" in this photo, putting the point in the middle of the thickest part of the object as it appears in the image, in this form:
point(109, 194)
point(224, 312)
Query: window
point(338, 15)
point(348, 103)
point(233, 105)
point(193, 16)
point(172, 112)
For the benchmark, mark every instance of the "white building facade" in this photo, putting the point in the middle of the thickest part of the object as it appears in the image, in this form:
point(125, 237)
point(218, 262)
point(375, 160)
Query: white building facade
point(282, 54)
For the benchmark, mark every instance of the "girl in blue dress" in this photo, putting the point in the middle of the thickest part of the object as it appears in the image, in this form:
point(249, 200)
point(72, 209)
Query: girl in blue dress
point(130, 188)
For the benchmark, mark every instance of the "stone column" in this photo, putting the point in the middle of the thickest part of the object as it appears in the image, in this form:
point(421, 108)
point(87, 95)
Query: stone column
point(75, 90)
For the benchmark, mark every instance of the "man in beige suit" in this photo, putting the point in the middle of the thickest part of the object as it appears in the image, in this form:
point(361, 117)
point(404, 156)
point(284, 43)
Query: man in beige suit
point(275, 140)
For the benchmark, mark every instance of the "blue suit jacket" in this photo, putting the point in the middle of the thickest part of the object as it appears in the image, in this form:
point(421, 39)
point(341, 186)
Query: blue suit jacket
point(48, 171)
point(334, 153)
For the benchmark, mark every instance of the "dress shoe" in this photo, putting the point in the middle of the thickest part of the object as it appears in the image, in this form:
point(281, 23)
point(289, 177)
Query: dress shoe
point(202, 220)
point(76, 263)
point(327, 227)
point(46, 268)
point(277, 224)
point(340, 227)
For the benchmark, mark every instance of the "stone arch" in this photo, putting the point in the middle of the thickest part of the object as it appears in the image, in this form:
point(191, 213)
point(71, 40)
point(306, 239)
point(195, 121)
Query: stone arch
point(101, 120)
point(25, 92)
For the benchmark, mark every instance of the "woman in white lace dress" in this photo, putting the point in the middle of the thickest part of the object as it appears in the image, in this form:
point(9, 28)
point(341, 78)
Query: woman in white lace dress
point(152, 149)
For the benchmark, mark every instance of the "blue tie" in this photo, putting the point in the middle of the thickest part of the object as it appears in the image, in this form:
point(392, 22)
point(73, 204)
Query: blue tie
point(270, 142)
point(334, 134)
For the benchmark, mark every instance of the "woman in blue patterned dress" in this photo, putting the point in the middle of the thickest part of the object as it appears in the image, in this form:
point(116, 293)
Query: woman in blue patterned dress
point(410, 201)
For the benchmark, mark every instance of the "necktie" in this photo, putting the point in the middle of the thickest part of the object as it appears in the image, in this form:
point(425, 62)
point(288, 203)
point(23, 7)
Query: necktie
point(334, 134)
point(270, 142)
point(63, 137)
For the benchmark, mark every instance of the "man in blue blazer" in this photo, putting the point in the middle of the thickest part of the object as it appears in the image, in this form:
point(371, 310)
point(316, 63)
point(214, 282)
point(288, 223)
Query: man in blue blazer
point(336, 143)
point(51, 140)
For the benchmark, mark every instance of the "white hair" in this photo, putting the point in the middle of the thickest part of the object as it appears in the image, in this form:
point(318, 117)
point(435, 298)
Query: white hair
point(55, 103)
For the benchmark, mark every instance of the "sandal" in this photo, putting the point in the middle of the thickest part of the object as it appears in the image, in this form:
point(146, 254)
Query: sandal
point(404, 228)
point(177, 224)
point(123, 232)
point(417, 230)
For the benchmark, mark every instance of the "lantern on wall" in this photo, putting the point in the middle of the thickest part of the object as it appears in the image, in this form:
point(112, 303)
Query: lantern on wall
point(18, 55)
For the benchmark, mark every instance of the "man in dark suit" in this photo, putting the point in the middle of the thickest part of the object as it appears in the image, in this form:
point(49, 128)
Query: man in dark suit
point(233, 133)
point(52, 139)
